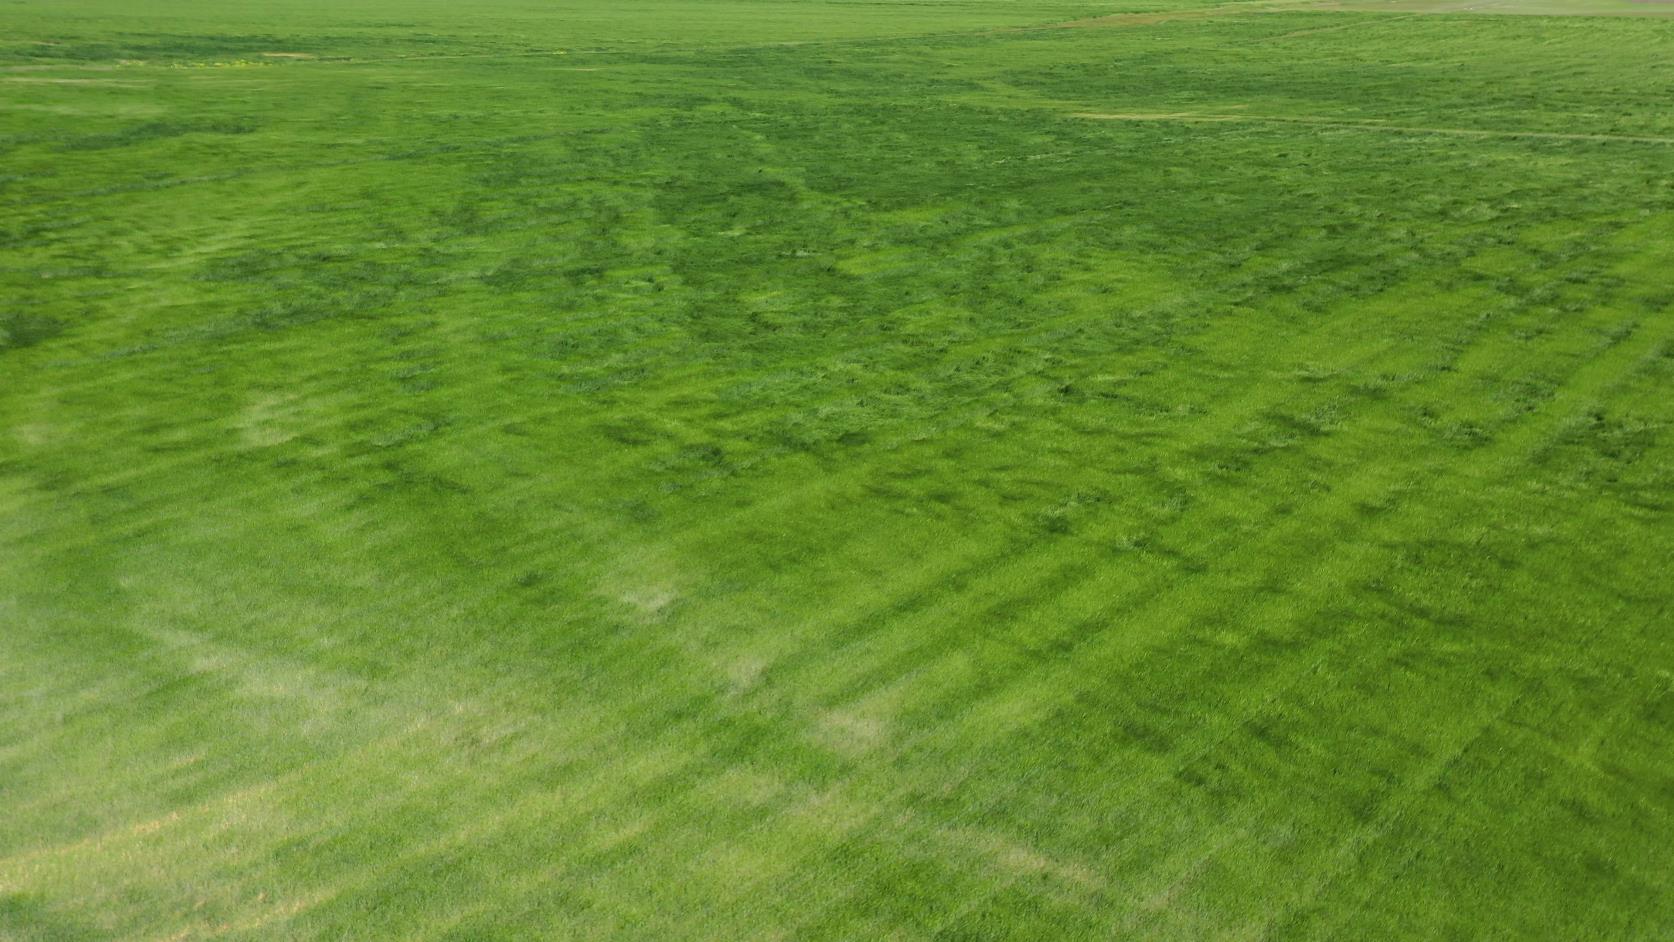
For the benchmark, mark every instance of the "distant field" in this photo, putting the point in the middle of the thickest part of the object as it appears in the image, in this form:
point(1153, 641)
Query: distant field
point(834, 470)
point(1526, 7)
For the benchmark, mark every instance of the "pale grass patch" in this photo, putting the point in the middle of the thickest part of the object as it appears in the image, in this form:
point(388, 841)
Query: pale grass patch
point(832, 814)
point(1020, 859)
point(744, 787)
point(269, 419)
point(646, 583)
point(254, 923)
point(866, 723)
point(650, 601)
point(33, 434)
point(743, 673)
point(141, 843)
point(851, 732)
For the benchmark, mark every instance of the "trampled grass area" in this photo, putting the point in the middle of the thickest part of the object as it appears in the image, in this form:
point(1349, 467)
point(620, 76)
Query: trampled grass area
point(820, 470)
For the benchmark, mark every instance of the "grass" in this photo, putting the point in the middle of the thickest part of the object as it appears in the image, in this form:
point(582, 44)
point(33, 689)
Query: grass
point(823, 470)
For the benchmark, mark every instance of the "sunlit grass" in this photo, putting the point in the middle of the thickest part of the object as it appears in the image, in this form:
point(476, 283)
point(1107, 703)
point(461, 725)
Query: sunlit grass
point(733, 471)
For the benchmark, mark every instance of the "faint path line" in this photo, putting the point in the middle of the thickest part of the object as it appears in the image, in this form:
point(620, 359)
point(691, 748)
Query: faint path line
point(1202, 13)
point(1356, 23)
point(1196, 117)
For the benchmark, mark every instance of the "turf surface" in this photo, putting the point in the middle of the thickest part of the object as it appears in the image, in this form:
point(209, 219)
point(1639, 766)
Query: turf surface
point(820, 470)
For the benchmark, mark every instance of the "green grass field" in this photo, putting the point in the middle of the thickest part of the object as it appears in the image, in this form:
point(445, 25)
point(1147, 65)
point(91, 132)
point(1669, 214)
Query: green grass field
point(834, 470)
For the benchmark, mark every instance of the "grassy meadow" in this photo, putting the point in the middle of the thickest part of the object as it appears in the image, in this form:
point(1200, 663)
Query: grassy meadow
point(835, 470)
